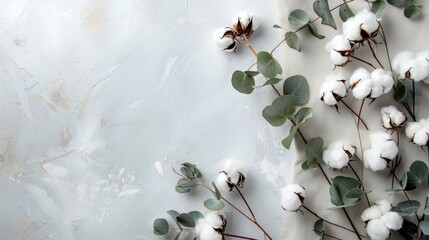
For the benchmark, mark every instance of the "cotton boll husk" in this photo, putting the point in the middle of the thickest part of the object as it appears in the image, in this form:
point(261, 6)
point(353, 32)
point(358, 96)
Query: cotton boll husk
point(222, 182)
point(290, 200)
point(376, 230)
point(362, 89)
point(421, 137)
point(373, 161)
point(392, 220)
point(208, 233)
point(399, 58)
point(368, 21)
point(384, 78)
point(383, 205)
point(371, 213)
point(412, 128)
point(351, 30)
point(214, 220)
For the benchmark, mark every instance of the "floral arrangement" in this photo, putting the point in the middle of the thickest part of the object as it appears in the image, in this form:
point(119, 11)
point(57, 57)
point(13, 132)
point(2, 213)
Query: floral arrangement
point(361, 31)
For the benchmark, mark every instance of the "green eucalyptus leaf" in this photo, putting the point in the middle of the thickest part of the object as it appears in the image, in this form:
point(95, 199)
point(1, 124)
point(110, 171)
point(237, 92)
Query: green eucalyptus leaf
point(314, 32)
point(272, 81)
point(186, 220)
point(216, 192)
point(187, 172)
point(297, 86)
point(424, 226)
point(182, 190)
point(426, 211)
point(289, 139)
point(292, 40)
point(195, 215)
point(409, 230)
point(321, 8)
point(298, 18)
point(281, 109)
point(277, 26)
point(339, 189)
point(160, 227)
point(345, 12)
point(319, 227)
point(267, 65)
point(404, 182)
point(186, 183)
point(401, 91)
point(242, 82)
point(420, 170)
point(213, 204)
point(378, 8)
point(303, 115)
point(412, 12)
point(356, 193)
point(194, 169)
point(396, 3)
point(313, 151)
point(174, 214)
point(407, 207)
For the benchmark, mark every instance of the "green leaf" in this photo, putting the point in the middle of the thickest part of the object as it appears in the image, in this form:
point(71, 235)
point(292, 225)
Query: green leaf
point(289, 139)
point(412, 12)
point(297, 86)
point(424, 226)
point(319, 227)
point(186, 183)
point(160, 227)
point(409, 230)
point(242, 82)
point(356, 193)
point(298, 18)
point(313, 151)
point(401, 91)
point(277, 26)
point(420, 170)
point(187, 172)
point(396, 3)
point(321, 8)
point(195, 215)
point(173, 214)
point(378, 8)
point(272, 81)
point(194, 169)
point(407, 207)
point(267, 65)
point(213, 204)
point(303, 115)
point(404, 182)
point(186, 220)
point(345, 12)
point(314, 32)
point(281, 109)
point(426, 211)
point(339, 189)
point(216, 192)
point(182, 190)
point(292, 40)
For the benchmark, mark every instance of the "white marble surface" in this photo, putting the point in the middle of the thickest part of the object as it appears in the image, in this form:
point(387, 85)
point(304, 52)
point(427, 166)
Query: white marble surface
point(92, 93)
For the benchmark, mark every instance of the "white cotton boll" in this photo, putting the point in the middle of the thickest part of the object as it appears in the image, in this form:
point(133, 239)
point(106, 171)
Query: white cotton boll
point(400, 58)
point(222, 41)
point(290, 199)
point(373, 161)
point(334, 84)
point(244, 19)
point(421, 137)
point(337, 154)
point(384, 78)
point(371, 213)
point(351, 30)
point(222, 182)
point(391, 117)
point(199, 226)
point(337, 58)
point(388, 150)
point(338, 43)
point(367, 20)
point(383, 205)
point(424, 55)
point(392, 220)
point(376, 90)
point(412, 128)
point(359, 74)
point(208, 233)
point(415, 68)
point(376, 230)
point(214, 220)
point(362, 89)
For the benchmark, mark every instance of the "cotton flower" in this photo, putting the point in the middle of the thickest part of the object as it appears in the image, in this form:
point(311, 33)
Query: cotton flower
point(233, 174)
point(245, 23)
point(333, 89)
point(338, 154)
point(383, 150)
point(339, 49)
point(413, 66)
point(211, 227)
point(292, 197)
point(370, 85)
point(392, 118)
point(362, 26)
point(418, 132)
point(224, 39)
point(380, 220)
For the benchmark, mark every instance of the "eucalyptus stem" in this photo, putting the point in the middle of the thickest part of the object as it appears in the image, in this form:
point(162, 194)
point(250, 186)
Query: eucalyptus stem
point(414, 98)
point(238, 236)
point(360, 59)
point(357, 115)
point(327, 235)
point(329, 222)
point(363, 188)
point(245, 201)
point(360, 111)
point(383, 36)
point(373, 54)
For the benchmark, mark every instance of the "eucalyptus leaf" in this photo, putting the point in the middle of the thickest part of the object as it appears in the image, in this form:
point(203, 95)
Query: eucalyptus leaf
point(292, 40)
point(281, 109)
point(272, 81)
point(321, 8)
point(182, 190)
point(276, 26)
point(174, 214)
point(160, 227)
point(194, 169)
point(409, 230)
point(242, 82)
point(426, 211)
point(186, 220)
point(186, 183)
point(213, 204)
point(401, 91)
point(195, 215)
point(313, 151)
point(339, 189)
point(378, 8)
point(407, 207)
point(396, 3)
point(297, 86)
point(289, 139)
point(298, 18)
point(356, 193)
point(216, 192)
point(187, 172)
point(412, 12)
point(314, 32)
point(303, 115)
point(424, 226)
point(345, 12)
point(319, 227)
point(267, 65)
point(420, 170)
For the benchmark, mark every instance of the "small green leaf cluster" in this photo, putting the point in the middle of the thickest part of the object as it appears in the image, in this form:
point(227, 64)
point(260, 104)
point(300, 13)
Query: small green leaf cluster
point(411, 8)
point(345, 192)
point(190, 180)
point(182, 220)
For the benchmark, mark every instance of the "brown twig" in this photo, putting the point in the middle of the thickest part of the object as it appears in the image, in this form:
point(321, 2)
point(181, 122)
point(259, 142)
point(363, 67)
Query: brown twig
point(357, 115)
